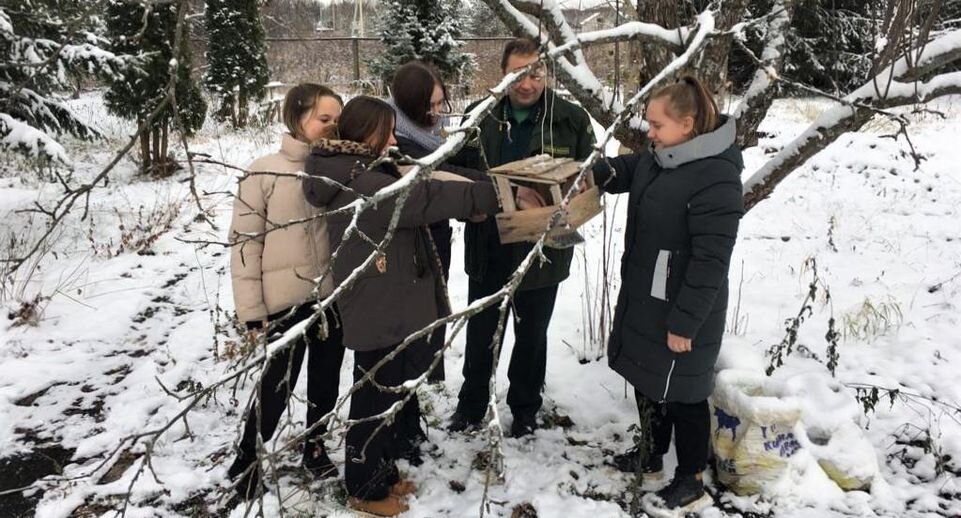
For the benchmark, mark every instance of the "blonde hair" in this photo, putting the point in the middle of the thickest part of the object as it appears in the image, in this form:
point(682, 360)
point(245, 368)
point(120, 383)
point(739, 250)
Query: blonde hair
point(689, 97)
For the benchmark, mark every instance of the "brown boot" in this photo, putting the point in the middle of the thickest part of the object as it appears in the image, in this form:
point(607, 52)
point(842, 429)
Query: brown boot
point(390, 506)
point(403, 488)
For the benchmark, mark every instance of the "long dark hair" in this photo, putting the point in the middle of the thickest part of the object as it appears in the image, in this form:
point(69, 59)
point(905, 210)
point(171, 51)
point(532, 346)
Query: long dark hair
point(368, 120)
point(300, 100)
point(689, 97)
point(412, 88)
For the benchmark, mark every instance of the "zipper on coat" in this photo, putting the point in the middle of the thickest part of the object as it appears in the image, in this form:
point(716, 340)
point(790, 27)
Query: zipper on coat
point(667, 387)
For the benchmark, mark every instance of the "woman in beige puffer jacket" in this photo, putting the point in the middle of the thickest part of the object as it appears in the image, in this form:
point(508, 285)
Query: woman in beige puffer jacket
point(279, 246)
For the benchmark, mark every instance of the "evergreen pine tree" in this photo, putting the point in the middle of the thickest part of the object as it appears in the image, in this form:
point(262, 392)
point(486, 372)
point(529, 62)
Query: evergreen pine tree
point(236, 56)
point(142, 86)
point(46, 45)
point(424, 30)
point(482, 21)
point(832, 42)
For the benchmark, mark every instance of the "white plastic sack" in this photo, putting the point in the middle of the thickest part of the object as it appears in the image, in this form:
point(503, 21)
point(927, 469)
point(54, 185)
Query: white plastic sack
point(832, 430)
point(753, 433)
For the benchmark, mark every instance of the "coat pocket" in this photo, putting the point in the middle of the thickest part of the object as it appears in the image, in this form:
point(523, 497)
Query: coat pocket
point(662, 269)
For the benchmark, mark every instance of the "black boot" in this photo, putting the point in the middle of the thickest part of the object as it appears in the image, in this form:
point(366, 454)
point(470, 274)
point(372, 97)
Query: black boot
point(685, 494)
point(523, 425)
point(317, 461)
point(627, 462)
point(245, 473)
point(411, 453)
point(460, 422)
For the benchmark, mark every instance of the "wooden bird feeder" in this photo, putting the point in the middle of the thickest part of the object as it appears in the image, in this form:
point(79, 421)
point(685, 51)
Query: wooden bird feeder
point(552, 178)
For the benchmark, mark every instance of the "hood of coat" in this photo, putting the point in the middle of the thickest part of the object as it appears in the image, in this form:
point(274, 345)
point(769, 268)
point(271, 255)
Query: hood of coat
point(340, 161)
point(718, 143)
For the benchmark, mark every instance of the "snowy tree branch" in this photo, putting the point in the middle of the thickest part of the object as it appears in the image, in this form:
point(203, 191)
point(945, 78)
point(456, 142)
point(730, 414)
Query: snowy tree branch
point(845, 117)
point(760, 93)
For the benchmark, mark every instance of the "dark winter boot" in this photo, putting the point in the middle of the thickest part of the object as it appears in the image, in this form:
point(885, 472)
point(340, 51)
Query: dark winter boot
point(685, 494)
point(409, 439)
point(523, 425)
point(627, 462)
point(317, 461)
point(411, 453)
point(460, 422)
point(247, 481)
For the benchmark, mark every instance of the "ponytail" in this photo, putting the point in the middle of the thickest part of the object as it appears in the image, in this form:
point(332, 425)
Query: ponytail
point(689, 97)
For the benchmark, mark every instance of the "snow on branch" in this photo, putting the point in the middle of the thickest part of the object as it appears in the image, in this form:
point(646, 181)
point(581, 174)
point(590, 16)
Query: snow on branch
point(937, 53)
point(551, 15)
point(6, 26)
point(760, 93)
point(637, 31)
point(856, 108)
point(21, 137)
point(28, 71)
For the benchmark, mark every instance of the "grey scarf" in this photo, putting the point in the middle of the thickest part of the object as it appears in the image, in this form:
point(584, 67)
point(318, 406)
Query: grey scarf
point(428, 138)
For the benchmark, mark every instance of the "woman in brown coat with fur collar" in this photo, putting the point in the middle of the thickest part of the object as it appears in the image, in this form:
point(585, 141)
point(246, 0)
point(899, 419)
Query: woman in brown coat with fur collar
point(394, 295)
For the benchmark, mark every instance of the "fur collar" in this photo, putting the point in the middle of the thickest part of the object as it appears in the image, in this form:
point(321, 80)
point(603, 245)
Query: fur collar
point(345, 147)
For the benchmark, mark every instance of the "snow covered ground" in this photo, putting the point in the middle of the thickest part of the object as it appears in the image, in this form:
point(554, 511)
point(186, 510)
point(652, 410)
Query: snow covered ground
point(111, 325)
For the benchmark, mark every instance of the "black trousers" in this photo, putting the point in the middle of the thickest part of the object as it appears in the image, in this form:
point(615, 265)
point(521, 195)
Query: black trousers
point(370, 468)
point(532, 310)
point(691, 424)
point(424, 352)
point(324, 359)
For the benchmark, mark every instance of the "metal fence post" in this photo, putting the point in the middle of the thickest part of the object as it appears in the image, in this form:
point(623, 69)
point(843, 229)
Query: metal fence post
point(355, 46)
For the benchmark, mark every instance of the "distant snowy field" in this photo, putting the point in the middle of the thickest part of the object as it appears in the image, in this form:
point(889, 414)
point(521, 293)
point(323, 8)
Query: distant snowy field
point(887, 244)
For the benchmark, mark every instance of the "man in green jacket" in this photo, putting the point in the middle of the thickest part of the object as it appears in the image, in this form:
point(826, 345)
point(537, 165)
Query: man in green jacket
point(531, 120)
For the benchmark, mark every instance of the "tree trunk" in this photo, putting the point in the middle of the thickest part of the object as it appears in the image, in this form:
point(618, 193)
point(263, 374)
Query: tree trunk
point(157, 157)
point(760, 93)
point(166, 165)
point(714, 59)
point(145, 159)
point(652, 58)
point(241, 109)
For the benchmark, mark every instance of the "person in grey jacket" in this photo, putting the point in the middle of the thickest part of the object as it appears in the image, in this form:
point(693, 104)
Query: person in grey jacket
point(399, 293)
point(419, 100)
point(685, 204)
